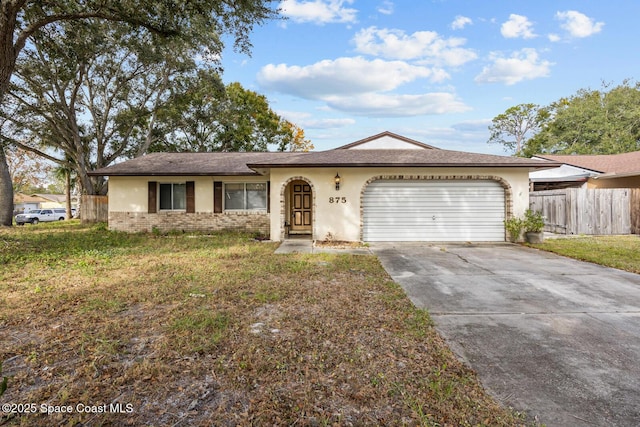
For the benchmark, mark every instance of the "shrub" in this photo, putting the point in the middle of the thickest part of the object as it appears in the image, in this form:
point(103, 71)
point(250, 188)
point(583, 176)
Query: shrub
point(533, 221)
point(514, 227)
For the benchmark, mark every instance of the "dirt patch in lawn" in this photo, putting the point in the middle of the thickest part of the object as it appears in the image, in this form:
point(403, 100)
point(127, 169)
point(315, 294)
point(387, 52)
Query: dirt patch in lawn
point(177, 330)
point(338, 244)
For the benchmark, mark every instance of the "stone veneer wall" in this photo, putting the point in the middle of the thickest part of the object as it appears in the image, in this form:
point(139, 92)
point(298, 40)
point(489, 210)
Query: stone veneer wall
point(134, 222)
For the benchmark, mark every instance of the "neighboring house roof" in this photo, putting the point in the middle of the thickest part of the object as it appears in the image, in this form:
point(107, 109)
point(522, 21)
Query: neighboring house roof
point(564, 173)
point(377, 141)
point(57, 198)
point(610, 165)
point(25, 198)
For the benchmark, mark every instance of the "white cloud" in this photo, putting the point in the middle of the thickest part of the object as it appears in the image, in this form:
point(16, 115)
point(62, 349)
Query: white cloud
point(578, 25)
point(460, 22)
point(307, 121)
point(522, 65)
point(319, 12)
point(343, 76)
point(426, 46)
point(554, 38)
point(326, 123)
point(386, 8)
point(517, 26)
point(360, 86)
point(393, 105)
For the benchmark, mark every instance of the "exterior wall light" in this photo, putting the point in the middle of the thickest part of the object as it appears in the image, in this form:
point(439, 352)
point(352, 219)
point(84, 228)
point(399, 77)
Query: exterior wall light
point(337, 180)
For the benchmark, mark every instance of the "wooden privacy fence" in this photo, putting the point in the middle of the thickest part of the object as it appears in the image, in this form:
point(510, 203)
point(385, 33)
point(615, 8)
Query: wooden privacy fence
point(94, 209)
point(589, 211)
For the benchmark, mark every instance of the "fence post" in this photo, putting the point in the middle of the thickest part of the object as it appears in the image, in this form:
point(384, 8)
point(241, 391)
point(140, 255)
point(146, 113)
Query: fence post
point(94, 209)
point(634, 208)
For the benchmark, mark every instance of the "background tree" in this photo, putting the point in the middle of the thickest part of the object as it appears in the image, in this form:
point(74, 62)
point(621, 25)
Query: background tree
point(204, 115)
point(28, 171)
point(512, 127)
point(592, 122)
point(248, 123)
point(298, 141)
point(87, 93)
point(67, 174)
point(201, 22)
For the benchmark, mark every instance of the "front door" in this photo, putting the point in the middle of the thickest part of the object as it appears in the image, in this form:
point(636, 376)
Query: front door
point(301, 208)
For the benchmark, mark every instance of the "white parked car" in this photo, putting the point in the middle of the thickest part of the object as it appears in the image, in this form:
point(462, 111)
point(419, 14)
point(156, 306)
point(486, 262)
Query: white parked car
point(41, 215)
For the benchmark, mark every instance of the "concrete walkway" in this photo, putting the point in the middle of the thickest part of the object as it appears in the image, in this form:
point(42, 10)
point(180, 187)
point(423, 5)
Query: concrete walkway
point(306, 246)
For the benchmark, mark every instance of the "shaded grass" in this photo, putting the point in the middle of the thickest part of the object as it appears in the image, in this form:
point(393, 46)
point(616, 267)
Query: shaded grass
point(622, 252)
point(218, 330)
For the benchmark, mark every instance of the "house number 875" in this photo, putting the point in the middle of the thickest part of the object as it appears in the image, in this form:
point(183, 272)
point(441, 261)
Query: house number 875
point(337, 200)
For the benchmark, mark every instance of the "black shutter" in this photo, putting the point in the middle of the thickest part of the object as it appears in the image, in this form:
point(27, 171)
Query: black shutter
point(152, 198)
point(217, 196)
point(191, 197)
point(268, 196)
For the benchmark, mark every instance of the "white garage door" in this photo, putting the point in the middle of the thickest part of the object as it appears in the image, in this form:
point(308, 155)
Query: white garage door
point(438, 210)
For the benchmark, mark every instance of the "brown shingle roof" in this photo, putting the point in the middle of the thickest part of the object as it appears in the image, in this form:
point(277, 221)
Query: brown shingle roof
point(195, 164)
point(26, 198)
point(624, 163)
point(228, 164)
point(398, 158)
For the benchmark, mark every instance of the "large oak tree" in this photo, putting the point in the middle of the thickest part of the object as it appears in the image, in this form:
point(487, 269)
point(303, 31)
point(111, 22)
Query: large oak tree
point(200, 22)
point(87, 93)
point(605, 121)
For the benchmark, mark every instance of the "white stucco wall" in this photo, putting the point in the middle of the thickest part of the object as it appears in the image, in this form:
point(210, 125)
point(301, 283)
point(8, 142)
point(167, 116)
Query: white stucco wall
point(343, 220)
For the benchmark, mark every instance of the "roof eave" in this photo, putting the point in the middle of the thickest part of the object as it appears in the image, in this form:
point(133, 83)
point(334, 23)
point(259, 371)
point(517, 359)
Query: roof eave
point(408, 165)
point(560, 179)
point(568, 164)
point(617, 175)
point(98, 173)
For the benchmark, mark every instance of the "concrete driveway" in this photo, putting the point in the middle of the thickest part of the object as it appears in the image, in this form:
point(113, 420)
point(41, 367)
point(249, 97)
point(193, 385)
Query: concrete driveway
point(547, 335)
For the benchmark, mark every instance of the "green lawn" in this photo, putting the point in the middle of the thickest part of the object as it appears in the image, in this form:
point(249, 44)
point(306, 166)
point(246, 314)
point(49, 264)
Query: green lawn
point(218, 330)
point(622, 252)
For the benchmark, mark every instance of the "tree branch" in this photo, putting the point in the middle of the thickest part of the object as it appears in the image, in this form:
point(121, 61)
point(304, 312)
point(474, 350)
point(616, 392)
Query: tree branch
point(35, 26)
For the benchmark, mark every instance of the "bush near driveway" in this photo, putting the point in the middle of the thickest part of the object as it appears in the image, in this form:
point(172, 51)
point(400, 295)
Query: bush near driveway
point(218, 330)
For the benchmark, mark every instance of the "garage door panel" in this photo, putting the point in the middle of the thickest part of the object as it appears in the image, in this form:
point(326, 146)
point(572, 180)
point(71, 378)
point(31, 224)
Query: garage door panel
point(439, 210)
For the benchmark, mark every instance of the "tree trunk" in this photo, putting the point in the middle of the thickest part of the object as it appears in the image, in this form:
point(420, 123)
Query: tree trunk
point(8, 55)
point(6, 192)
point(67, 190)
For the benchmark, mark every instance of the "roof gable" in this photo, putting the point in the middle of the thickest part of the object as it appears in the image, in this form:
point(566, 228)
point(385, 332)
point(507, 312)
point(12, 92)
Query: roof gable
point(385, 141)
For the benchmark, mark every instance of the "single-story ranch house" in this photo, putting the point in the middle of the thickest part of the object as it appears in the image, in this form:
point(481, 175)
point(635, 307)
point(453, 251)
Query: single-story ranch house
point(382, 188)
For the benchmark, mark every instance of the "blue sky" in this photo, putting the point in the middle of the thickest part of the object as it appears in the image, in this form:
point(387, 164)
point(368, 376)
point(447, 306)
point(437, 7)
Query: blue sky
point(433, 70)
